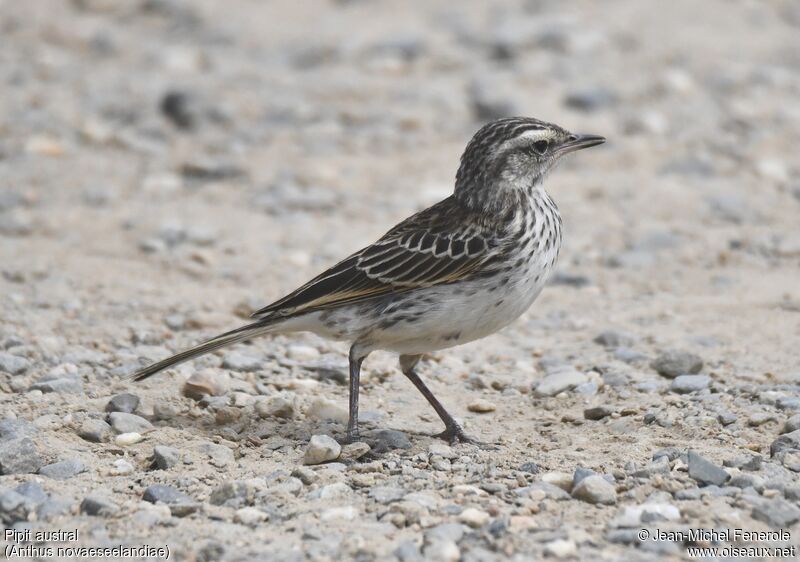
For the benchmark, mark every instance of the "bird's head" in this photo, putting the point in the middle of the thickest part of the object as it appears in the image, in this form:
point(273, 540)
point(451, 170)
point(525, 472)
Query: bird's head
point(511, 156)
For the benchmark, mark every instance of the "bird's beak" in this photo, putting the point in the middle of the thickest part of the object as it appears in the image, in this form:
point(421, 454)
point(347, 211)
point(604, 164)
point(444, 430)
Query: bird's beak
point(579, 142)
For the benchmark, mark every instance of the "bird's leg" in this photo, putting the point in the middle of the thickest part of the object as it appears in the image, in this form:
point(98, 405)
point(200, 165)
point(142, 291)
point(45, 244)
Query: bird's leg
point(355, 375)
point(452, 432)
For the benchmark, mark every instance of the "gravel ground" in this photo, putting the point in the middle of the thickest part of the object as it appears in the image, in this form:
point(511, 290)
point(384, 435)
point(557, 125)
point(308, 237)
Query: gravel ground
point(168, 166)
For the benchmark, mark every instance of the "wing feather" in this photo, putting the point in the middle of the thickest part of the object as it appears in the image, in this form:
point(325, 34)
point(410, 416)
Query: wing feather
point(442, 244)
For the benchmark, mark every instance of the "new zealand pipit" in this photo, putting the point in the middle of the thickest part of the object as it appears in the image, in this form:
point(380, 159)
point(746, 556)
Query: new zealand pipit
point(453, 273)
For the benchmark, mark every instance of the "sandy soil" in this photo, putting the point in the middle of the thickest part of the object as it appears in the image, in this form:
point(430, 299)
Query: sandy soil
point(168, 166)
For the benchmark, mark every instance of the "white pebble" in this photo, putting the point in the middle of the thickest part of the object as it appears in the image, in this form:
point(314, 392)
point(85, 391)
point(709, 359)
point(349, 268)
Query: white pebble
point(321, 449)
point(474, 517)
point(125, 439)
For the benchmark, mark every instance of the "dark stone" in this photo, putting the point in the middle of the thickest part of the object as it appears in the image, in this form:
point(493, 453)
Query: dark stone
point(530, 467)
point(704, 471)
point(125, 402)
point(179, 108)
point(580, 474)
point(179, 503)
point(389, 439)
point(610, 338)
point(596, 413)
point(675, 363)
point(165, 457)
point(785, 442)
point(60, 385)
point(98, 505)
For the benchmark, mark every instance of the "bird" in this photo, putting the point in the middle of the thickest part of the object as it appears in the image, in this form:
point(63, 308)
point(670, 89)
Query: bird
point(453, 273)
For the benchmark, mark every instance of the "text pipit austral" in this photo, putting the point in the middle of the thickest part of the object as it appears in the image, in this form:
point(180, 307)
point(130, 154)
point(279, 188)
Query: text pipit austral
point(456, 272)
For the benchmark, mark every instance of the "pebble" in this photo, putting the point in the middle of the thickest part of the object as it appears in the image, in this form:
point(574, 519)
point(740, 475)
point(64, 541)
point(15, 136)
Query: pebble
point(659, 466)
point(559, 382)
point(560, 548)
point(206, 383)
point(125, 402)
point(474, 518)
point(94, 430)
point(613, 339)
point(219, 455)
point(353, 451)
point(127, 439)
point(122, 467)
point(596, 490)
point(179, 503)
point(320, 449)
point(324, 409)
point(278, 406)
point(165, 457)
point(674, 363)
point(19, 456)
point(784, 442)
point(745, 462)
point(792, 424)
point(122, 422)
point(481, 406)
point(636, 516)
point(302, 353)
point(16, 428)
point(59, 385)
point(760, 418)
point(13, 364)
point(242, 362)
point(726, 418)
point(389, 439)
point(63, 470)
point(776, 512)
point(306, 475)
point(250, 516)
point(685, 384)
point(704, 471)
point(234, 493)
point(597, 413)
point(561, 479)
point(95, 504)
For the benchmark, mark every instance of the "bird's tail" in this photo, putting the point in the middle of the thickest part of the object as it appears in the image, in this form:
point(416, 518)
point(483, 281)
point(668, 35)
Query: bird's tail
point(223, 340)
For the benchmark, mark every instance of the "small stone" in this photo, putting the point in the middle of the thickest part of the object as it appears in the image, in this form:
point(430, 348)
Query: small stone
point(219, 455)
point(16, 428)
point(125, 402)
point(596, 413)
point(19, 456)
point(13, 364)
point(63, 470)
point(559, 382)
point(745, 462)
point(95, 504)
point(127, 439)
point(353, 451)
point(321, 449)
point(760, 418)
point(635, 516)
point(306, 475)
point(122, 422)
point(530, 468)
point(408, 551)
point(342, 513)
point(233, 493)
point(250, 516)
point(596, 490)
point(659, 466)
point(302, 353)
point(94, 430)
point(206, 383)
point(612, 339)
point(442, 551)
point(179, 503)
point(685, 384)
point(726, 418)
point(792, 424)
point(324, 409)
point(481, 406)
point(473, 517)
point(675, 363)
point(59, 385)
point(561, 479)
point(165, 457)
point(238, 361)
point(389, 439)
point(560, 548)
point(122, 467)
point(777, 512)
point(704, 471)
point(278, 406)
point(791, 460)
point(786, 441)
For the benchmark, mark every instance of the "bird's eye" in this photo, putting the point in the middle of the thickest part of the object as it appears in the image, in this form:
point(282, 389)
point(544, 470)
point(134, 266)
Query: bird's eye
point(541, 146)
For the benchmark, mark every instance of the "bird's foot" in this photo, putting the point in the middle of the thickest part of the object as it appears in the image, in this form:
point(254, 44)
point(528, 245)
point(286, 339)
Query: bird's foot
point(454, 435)
point(351, 436)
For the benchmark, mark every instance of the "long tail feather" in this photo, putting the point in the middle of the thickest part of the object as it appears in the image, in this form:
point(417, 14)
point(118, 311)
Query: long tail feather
point(223, 340)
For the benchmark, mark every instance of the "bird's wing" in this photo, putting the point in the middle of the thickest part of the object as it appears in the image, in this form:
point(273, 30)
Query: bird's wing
point(439, 245)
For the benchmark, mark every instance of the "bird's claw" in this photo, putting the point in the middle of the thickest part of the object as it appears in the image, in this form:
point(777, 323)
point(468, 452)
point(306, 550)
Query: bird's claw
point(454, 435)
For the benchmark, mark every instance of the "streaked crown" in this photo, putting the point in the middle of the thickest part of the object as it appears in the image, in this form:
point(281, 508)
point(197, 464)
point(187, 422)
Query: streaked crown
point(512, 155)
